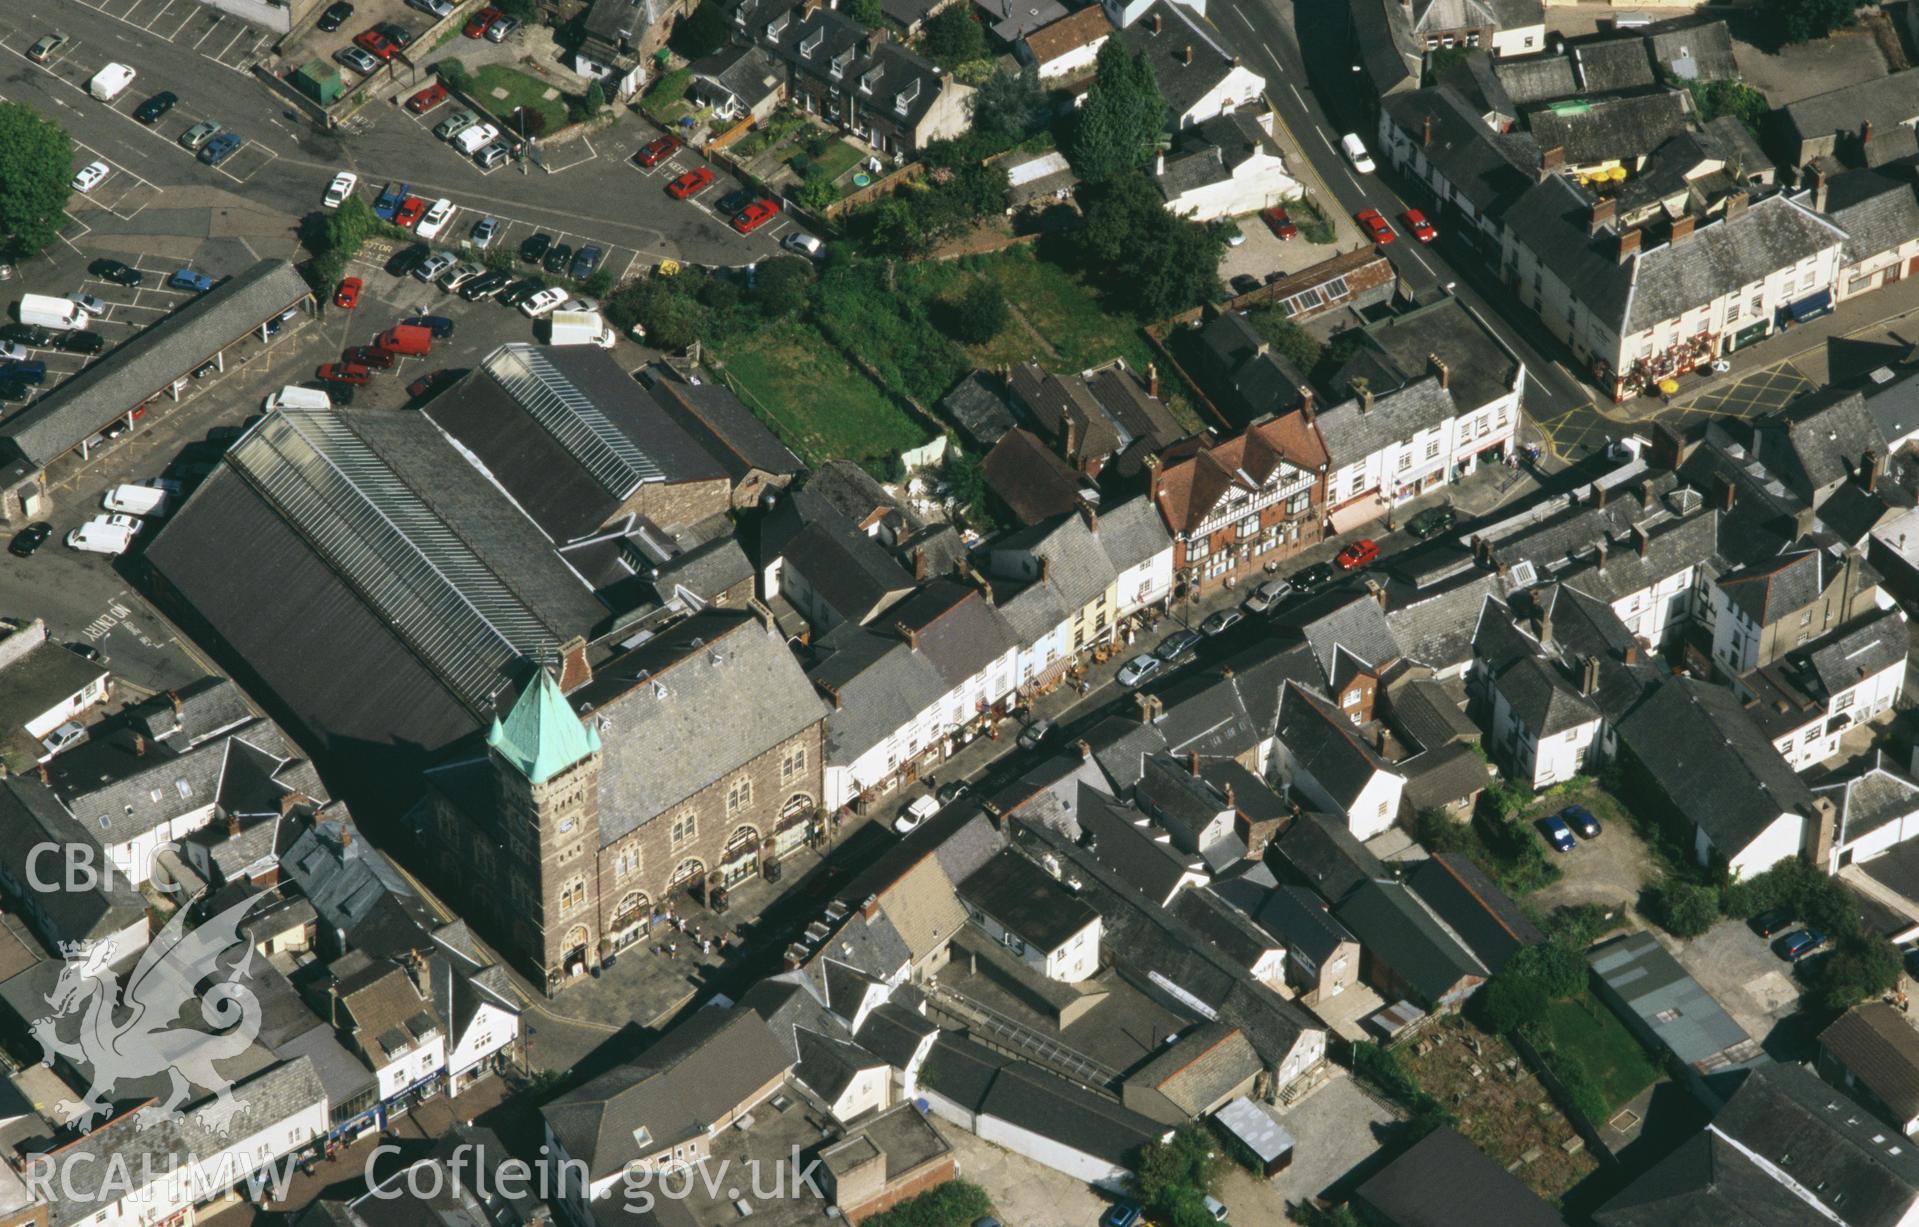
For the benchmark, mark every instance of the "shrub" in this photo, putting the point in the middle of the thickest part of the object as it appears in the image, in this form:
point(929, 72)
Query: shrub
point(953, 1204)
point(452, 73)
point(1172, 1178)
point(1683, 909)
point(981, 313)
point(1511, 1002)
point(1860, 968)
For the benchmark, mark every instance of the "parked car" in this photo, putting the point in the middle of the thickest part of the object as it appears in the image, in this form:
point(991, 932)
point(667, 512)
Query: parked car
point(68, 735)
point(80, 341)
point(520, 291)
point(484, 232)
point(493, 153)
point(11, 391)
point(455, 124)
point(1431, 522)
point(29, 539)
point(428, 98)
point(1771, 921)
point(501, 28)
point(342, 372)
point(27, 371)
point(44, 46)
point(370, 356)
point(411, 210)
point(533, 247)
point(1222, 621)
point(116, 272)
point(25, 334)
point(587, 259)
point(335, 16)
point(1139, 670)
point(358, 59)
point(190, 279)
point(1377, 228)
point(1418, 226)
point(1797, 945)
point(1355, 151)
point(1177, 646)
point(1358, 554)
point(1279, 222)
point(755, 215)
point(1314, 577)
point(426, 385)
point(1557, 833)
point(439, 325)
point(460, 274)
point(918, 810)
point(542, 303)
point(1581, 820)
point(656, 151)
point(804, 244)
point(472, 140)
point(952, 791)
point(690, 183)
point(348, 295)
point(1036, 734)
point(153, 108)
point(377, 43)
point(198, 135)
point(733, 202)
point(90, 303)
point(476, 24)
point(558, 257)
point(485, 286)
point(90, 176)
point(434, 220)
point(13, 351)
point(435, 9)
point(1120, 1214)
point(340, 189)
point(1244, 283)
point(429, 269)
point(1267, 596)
point(395, 33)
point(222, 147)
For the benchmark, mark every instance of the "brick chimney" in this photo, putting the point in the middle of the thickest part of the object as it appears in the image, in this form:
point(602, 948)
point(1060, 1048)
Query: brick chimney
point(1681, 229)
point(920, 565)
point(1599, 495)
point(1543, 627)
point(1819, 825)
point(1645, 495)
point(1152, 478)
point(1090, 514)
point(1865, 133)
point(1306, 400)
point(1589, 675)
point(1438, 367)
point(830, 691)
point(139, 745)
point(1815, 182)
point(574, 667)
point(1869, 470)
point(1641, 541)
point(1152, 380)
point(1426, 131)
point(1186, 57)
point(1364, 393)
point(1159, 23)
point(1736, 204)
point(173, 697)
point(1632, 653)
point(911, 637)
point(1599, 555)
point(1192, 761)
point(1628, 244)
point(1603, 211)
point(1150, 708)
point(1727, 494)
point(1069, 434)
point(1551, 160)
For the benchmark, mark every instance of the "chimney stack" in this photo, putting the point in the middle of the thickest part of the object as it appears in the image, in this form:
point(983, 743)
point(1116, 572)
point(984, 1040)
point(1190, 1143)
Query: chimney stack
point(1727, 494)
point(1543, 627)
point(1599, 555)
point(1149, 708)
point(1426, 132)
point(139, 745)
point(1645, 495)
point(1551, 160)
point(1364, 393)
point(920, 567)
point(1158, 23)
point(1438, 367)
point(1589, 675)
point(1865, 133)
point(1640, 540)
point(233, 826)
point(1681, 229)
point(346, 835)
point(1152, 380)
point(1090, 514)
point(1069, 435)
point(912, 637)
point(1628, 244)
point(1869, 470)
point(1306, 400)
point(1599, 495)
point(1632, 653)
point(1603, 211)
point(1187, 57)
point(1192, 761)
point(1152, 479)
point(1736, 205)
point(1815, 182)
point(173, 697)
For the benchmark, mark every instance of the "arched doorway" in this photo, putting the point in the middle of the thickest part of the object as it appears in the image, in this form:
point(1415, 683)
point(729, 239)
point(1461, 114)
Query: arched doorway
point(630, 920)
point(690, 876)
point(795, 825)
point(574, 960)
point(740, 859)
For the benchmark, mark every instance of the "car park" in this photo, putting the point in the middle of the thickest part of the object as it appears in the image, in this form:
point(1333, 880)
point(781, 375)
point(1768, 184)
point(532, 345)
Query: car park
point(542, 303)
point(1267, 596)
point(1378, 229)
point(439, 325)
point(484, 232)
point(485, 286)
point(348, 295)
point(1177, 646)
point(755, 215)
point(429, 269)
point(221, 147)
point(1218, 623)
point(189, 279)
point(90, 303)
point(455, 124)
point(690, 183)
point(335, 16)
point(657, 151)
point(29, 539)
point(1557, 833)
point(477, 24)
point(557, 258)
point(340, 189)
point(370, 356)
point(199, 134)
point(376, 43)
point(501, 28)
point(116, 272)
point(1431, 522)
point(411, 210)
point(90, 176)
point(434, 220)
point(1139, 670)
point(1771, 921)
point(1358, 554)
point(460, 274)
point(1581, 820)
point(342, 372)
point(358, 59)
point(428, 98)
point(1798, 944)
point(44, 46)
point(1418, 226)
point(153, 108)
point(533, 248)
point(1279, 222)
point(585, 262)
point(493, 154)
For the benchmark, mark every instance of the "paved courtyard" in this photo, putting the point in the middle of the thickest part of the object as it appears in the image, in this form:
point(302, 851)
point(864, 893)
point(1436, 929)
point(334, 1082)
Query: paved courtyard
point(1022, 1191)
point(1753, 984)
point(1336, 1130)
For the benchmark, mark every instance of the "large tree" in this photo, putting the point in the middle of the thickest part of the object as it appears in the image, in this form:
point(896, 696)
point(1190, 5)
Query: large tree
point(36, 166)
point(1123, 118)
point(952, 37)
point(1011, 105)
point(1801, 21)
point(1149, 260)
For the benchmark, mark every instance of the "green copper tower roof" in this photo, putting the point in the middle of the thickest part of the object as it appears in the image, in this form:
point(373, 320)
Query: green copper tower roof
point(541, 736)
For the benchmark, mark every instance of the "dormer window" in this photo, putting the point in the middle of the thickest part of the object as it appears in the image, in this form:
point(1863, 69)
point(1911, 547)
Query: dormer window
point(906, 96)
point(870, 78)
point(841, 61)
point(777, 27)
point(811, 42)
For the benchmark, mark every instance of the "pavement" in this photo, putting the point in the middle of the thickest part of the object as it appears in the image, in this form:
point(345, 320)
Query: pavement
point(1022, 1190)
point(1337, 1129)
point(1754, 985)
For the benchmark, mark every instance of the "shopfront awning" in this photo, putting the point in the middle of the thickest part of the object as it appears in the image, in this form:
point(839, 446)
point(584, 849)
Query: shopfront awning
point(1811, 307)
point(1359, 512)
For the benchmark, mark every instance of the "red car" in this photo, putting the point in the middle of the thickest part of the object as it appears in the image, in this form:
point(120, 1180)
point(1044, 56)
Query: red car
point(1421, 228)
point(426, 99)
point(657, 152)
point(344, 372)
point(690, 182)
point(476, 25)
point(755, 215)
point(1377, 228)
point(1280, 223)
point(369, 356)
point(1358, 554)
point(411, 210)
point(427, 384)
point(348, 295)
point(376, 43)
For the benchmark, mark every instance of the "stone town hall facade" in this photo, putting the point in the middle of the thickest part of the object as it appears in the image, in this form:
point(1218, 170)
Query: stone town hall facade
point(683, 766)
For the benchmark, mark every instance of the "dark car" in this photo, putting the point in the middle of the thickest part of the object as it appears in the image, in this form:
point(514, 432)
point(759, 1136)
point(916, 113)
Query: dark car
point(427, 385)
point(1245, 283)
point(1124, 1214)
point(153, 108)
point(407, 259)
point(25, 334)
point(486, 285)
point(80, 342)
point(733, 202)
point(952, 791)
point(116, 272)
point(1035, 735)
point(1581, 820)
point(442, 326)
point(370, 356)
point(1771, 921)
point(1557, 833)
point(520, 291)
point(86, 651)
point(1795, 946)
point(335, 16)
point(29, 539)
point(1431, 522)
point(12, 391)
point(1177, 646)
point(398, 35)
point(1313, 578)
point(558, 258)
point(585, 262)
point(533, 247)
point(23, 372)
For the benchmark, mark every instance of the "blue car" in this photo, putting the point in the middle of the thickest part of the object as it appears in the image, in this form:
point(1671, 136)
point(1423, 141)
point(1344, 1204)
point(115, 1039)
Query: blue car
point(190, 279)
point(1557, 833)
point(1124, 1214)
point(1797, 945)
point(22, 371)
point(585, 262)
point(221, 147)
point(1580, 819)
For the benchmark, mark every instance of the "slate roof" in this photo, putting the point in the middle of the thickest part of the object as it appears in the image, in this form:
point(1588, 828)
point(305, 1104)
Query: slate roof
point(31, 818)
point(1480, 368)
point(147, 362)
point(1483, 915)
point(1869, 798)
point(1124, 840)
point(1694, 51)
point(747, 73)
point(1886, 102)
point(355, 888)
point(1322, 852)
point(817, 41)
point(1613, 129)
point(894, 1033)
point(1302, 922)
point(724, 427)
point(1488, 168)
point(1871, 645)
point(1353, 433)
point(1396, 928)
point(1352, 621)
point(977, 403)
point(1225, 926)
point(1613, 65)
point(1027, 901)
point(1201, 1068)
point(1181, 84)
point(1785, 584)
point(1424, 712)
point(1446, 1181)
point(1671, 1004)
point(1876, 1044)
point(1823, 448)
point(1212, 151)
point(849, 571)
point(1537, 78)
point(1034, 483)
point(1325, 745)
point(1877, 207)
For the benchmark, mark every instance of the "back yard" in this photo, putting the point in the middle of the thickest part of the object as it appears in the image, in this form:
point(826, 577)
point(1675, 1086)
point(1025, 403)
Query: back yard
point(1579, 1033)
point(503, 90)
point(813, 398)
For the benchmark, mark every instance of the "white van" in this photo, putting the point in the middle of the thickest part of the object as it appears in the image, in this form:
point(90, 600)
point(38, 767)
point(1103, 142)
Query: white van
point(101, 535)
point(1355, 151)
point(295, 397)
point(109, 82)
point(473, 139)
point(136, 500)
point(46, 311)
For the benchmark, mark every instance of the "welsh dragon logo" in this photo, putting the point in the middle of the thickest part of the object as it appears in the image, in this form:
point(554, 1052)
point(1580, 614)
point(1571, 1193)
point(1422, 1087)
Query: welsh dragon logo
point(124, 1032)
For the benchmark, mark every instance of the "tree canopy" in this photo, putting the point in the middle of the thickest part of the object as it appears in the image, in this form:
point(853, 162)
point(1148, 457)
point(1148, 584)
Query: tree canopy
point(702, 32)
point(1122, 119)
point(951, 37)
point(1011, 106)
point(1148, 260)
point(36, 165)
point(1802, 21)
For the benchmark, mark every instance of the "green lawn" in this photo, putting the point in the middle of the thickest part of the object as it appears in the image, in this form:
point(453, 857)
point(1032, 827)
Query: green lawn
point(839, 158)
point(815, 401)
point(520, 90)
point(1586, 1035)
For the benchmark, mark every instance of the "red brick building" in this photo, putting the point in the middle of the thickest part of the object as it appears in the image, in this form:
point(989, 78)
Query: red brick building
point(1235, 506)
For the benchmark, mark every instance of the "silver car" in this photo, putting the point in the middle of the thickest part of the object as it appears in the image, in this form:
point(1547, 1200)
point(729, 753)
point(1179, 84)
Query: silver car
point(433, 8)
point(358, 59)
point(484, 232)
point(460, 274)
point(435, 264)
